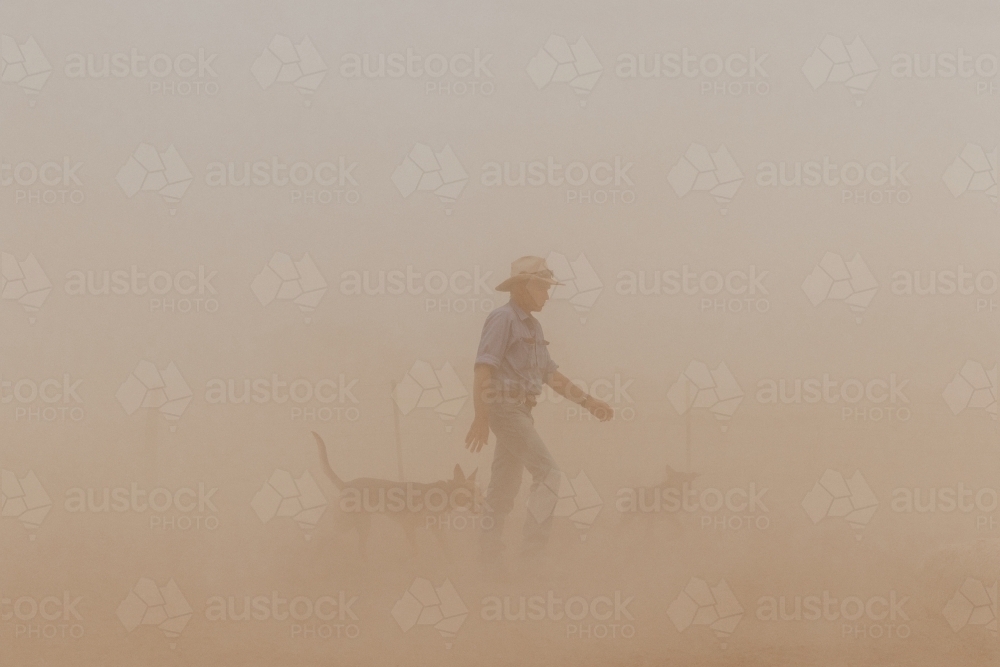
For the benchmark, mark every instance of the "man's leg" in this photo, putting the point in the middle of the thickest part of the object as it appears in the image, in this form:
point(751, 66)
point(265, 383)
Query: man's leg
point(537, 459)
point(505, 480)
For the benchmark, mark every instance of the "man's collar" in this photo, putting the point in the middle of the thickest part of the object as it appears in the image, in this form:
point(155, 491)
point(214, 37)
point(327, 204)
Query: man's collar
point(519, 311)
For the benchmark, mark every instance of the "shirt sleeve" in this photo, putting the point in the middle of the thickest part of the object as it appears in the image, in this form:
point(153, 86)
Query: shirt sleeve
point(550, 367)
point(495, 338)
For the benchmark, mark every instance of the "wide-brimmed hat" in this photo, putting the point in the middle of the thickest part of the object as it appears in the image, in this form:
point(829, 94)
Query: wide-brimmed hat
point(527, 268)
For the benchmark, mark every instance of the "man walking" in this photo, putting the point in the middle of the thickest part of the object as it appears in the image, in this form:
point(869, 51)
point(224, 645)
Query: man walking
point(511, 365)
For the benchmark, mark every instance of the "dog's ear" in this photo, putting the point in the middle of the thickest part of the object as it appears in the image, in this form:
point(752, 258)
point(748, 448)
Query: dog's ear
point(472, 477)
point(459, 475)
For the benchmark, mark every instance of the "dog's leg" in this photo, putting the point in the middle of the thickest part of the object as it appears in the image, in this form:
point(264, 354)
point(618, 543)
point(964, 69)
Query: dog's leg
point(411, 534)
point(364, 526)
point(443, 543)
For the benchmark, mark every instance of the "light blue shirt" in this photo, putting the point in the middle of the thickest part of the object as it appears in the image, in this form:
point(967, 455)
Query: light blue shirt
point(513, 344)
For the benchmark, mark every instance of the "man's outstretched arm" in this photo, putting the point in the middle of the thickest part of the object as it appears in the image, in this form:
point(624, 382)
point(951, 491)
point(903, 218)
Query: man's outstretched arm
point(479, 432)
point(562, 385)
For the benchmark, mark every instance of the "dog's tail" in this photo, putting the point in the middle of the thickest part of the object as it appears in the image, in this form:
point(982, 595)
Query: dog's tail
point(339, 483)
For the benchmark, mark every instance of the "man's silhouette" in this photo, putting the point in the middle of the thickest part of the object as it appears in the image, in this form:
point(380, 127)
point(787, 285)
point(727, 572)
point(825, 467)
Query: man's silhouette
point(511, 365)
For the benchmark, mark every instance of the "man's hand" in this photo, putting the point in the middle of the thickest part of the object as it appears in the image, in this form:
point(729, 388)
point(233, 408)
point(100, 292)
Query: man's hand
point(478, 434)
point(562, 386)
point(599, 408)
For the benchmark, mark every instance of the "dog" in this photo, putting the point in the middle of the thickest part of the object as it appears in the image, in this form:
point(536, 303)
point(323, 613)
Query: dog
point(672, 485)
point(409, 504)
